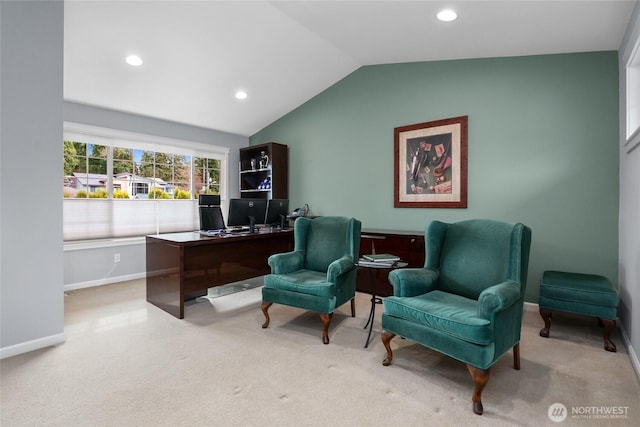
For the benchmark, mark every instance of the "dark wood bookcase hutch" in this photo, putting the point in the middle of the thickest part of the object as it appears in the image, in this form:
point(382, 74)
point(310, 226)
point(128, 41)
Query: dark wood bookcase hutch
point(252, 174)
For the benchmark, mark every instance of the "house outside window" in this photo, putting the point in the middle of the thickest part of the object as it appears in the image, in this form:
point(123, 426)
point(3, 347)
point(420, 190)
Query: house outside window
point(140, 188)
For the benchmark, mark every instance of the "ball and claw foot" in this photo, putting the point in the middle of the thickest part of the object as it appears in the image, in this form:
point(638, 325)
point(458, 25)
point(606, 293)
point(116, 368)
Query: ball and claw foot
point(546, 317)
point(610, 346)
point(609, 326)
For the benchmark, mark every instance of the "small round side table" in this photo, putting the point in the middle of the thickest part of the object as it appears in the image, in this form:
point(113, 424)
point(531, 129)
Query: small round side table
point(374, 299)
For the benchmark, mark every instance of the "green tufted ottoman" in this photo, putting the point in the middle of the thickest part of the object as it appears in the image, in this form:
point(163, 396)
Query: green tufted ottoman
point(585, 294)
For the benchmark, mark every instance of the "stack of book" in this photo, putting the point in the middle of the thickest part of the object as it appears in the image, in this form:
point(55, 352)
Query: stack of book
point(378, 260)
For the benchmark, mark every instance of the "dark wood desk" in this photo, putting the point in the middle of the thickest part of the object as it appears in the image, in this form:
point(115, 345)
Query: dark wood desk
point(182, 266)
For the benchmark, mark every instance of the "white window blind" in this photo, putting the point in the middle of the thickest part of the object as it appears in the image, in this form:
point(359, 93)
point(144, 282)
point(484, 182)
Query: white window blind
point(106, 218)
point(96, 219)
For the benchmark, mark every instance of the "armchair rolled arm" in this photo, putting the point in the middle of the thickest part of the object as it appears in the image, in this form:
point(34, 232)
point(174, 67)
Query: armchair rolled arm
point(286, 262)
point(409, 282)
point(497, 298)
point(339, 267)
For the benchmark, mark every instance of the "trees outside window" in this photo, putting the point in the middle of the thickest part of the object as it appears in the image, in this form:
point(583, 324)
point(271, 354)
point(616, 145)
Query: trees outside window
point(207, 175)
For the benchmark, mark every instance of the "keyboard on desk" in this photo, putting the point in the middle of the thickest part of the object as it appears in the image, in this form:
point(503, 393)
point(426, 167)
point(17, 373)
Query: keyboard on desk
point(211, 232)
point(230, 230)
point(242, 229)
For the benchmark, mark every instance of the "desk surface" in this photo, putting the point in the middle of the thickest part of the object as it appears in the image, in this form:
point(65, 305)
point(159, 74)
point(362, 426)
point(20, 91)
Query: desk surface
point(195, 237)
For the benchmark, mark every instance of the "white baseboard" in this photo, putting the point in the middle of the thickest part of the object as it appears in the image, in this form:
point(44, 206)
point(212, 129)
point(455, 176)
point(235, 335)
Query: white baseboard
point(633, 356)
point(25, 347)
point(105, 281)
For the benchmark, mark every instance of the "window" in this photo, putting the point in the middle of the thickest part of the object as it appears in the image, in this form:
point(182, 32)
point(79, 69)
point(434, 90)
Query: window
point(119, 184)
point(632, 68)
point(633, 94)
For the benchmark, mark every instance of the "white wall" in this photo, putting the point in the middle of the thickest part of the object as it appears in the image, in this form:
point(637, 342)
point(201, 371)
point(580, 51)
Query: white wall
point(629, 226)
point(91, 264)
point(31, 296)
point(32, 112)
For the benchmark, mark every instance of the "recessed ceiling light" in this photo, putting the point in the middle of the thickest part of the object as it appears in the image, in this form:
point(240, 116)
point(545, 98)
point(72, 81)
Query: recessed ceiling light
point(241, 94)
point(447, 15)
point(133, 60)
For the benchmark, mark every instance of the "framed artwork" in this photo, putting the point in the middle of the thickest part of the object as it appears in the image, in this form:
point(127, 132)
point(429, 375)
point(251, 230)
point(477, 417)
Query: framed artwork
point(430, 168)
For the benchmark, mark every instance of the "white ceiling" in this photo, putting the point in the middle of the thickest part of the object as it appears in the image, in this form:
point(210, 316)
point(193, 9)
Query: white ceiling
point(197, 54)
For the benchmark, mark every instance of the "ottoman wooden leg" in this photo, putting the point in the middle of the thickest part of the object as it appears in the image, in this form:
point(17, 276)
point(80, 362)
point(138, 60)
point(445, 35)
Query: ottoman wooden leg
point(545, 313)
point(609, 326)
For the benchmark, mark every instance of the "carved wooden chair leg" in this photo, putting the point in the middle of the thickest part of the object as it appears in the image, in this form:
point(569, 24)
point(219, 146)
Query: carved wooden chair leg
point(265, 307)
point(609, 326)
point(326, 321)
point(386, 341)
point(480, 379)
point(353, 307)
point(545, 313)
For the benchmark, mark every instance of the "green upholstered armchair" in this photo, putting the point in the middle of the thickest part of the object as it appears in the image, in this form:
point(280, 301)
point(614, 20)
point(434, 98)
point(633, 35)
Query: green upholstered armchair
point(320, 274)
point(467, 301)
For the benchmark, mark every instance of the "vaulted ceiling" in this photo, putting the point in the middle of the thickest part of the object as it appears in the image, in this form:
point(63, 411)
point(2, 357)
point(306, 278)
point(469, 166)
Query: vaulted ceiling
point(198, 54)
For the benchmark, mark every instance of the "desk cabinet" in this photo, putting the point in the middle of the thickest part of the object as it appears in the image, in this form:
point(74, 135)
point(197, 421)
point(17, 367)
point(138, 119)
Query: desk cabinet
point(182, 266)
point(408, 245)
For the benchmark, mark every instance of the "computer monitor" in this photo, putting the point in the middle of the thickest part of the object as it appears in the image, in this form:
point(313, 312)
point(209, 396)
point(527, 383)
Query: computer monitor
point(243, 212)
point(277, 211)
point(211, 218)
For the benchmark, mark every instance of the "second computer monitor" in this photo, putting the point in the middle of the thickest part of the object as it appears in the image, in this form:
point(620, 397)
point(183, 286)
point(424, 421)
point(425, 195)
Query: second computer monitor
point(243, 212)
point(277, 211)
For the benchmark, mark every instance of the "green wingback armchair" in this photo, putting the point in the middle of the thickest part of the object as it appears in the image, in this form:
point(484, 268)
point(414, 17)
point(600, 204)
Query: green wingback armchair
point(467, 301)
point(320, 274)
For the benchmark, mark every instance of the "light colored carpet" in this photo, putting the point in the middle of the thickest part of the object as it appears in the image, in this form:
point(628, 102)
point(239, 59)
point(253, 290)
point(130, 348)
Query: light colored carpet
point(127, 363)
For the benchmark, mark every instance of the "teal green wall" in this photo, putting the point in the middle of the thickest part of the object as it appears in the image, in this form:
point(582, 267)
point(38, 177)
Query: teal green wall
point(543, 149)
